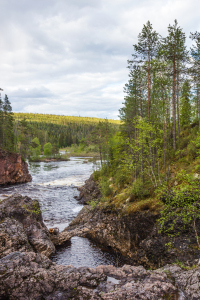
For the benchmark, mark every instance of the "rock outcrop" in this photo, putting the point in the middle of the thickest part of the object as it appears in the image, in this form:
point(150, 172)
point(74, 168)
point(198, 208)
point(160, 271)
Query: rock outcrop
point(31, 276)
point(13, 169)
point(89, 191)
point(22, 227)
point(135, 236)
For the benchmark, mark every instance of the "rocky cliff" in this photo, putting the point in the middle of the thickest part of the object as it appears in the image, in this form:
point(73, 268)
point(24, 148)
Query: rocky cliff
point(13, 169)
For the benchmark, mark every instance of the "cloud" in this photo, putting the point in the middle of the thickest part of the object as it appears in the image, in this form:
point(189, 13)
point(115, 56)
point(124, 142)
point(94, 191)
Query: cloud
point(70, 57)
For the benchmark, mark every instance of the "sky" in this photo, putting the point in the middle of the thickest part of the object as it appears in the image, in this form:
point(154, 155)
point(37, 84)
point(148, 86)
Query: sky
point(69, 57)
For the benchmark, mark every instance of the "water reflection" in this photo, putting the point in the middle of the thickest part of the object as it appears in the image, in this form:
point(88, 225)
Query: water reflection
point(82, 252)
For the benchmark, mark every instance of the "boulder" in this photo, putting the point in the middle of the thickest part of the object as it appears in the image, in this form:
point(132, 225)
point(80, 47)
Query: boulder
point(24, 216)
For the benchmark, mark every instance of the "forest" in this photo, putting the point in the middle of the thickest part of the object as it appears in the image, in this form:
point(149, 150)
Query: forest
point(154, 158)
point(28, 133)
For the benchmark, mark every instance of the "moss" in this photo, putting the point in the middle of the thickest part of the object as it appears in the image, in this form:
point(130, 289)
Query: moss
point(151, 204)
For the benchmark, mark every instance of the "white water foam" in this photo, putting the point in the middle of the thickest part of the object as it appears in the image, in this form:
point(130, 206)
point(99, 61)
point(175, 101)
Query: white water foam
point(69, 181)
point(77, 209)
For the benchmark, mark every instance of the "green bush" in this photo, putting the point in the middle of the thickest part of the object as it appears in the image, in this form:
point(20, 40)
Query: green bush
point(138, 191)
point(105, 188)
point(121, 178)
point(192, 149)
point(184, 142)
point(47, 149)
point(96, 175)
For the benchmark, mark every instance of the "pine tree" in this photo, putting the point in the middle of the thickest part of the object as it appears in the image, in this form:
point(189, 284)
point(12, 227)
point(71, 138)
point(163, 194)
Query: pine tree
point(185, 105)
point(24, 137)
point(145, 51)
point(195, 69)
point(8, 125)
point(174, 51)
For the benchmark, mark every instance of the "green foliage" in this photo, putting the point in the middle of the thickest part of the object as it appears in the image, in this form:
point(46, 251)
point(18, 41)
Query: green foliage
point(182, 206)
point(185, 105)
point(122, 177)
point(62, 131)
point(105, 188)
point(96, 175)
point(138, 191)
point(35, 148)
point(93, 204)
point(47, 149)
point(7, 138)
point(192, 150)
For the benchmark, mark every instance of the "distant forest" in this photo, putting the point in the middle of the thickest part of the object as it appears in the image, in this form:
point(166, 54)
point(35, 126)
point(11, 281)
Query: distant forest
point(60, 130)
point(24, 132)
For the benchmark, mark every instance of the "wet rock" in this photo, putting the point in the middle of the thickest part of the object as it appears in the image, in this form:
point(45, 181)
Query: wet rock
point(31, 276)
point(24, 216)
point(89, 191)
point(13, 169)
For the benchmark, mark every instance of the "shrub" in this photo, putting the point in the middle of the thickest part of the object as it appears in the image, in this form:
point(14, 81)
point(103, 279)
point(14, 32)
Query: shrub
point(192, 150)
point(96, 175)
point(138, 191)
point(121, 178)
point(105, 188)
point(47, 149)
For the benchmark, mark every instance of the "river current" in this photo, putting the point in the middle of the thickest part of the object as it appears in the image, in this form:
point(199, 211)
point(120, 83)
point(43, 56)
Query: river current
point(54, 185)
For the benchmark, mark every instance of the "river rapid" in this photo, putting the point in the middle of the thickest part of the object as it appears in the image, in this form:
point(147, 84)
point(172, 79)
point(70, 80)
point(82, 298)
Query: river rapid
point(54, 185)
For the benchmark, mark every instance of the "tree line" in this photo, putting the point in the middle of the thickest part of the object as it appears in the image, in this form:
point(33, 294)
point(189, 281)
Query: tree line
point(29, 134)
point(162, 96)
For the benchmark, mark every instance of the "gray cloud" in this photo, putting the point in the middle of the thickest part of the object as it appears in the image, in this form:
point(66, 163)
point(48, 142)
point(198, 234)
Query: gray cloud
point(70, 57)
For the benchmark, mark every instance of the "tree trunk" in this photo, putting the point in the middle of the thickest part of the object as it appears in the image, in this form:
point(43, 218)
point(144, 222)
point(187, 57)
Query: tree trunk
point(174, 105)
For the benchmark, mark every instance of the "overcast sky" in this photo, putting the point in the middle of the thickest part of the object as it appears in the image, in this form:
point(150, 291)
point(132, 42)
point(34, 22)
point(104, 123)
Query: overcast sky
point(69, 57)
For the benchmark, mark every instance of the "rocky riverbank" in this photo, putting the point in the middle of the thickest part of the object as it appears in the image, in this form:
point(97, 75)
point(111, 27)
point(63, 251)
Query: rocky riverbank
point(13, 169)
point(135, 236)
point(26, 272)
point(31, 276)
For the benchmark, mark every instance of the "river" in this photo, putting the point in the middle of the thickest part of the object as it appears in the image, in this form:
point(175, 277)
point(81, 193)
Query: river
point(54, 185)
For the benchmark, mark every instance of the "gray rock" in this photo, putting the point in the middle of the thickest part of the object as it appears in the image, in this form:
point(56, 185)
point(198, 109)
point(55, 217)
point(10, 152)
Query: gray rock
point(12, 237)
point(25, 211)
point(187, 280)
point(32, 276)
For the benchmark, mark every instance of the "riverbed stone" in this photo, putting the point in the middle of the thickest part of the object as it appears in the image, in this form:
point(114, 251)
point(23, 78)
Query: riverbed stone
point(24, 214)
point(32, 276)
